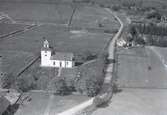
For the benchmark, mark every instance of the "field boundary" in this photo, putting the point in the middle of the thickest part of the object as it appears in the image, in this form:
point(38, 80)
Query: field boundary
point(16, 32)
point(27, 66)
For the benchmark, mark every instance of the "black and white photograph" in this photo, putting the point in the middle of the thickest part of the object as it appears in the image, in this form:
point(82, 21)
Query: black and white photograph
point(83, 57)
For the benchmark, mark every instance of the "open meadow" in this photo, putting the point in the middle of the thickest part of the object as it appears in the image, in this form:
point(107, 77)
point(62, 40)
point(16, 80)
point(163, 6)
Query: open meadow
point(74, 41)
point(140, 68)
point(14, 61)
point(31, 12)
point(94, 17)
point(18, 50)
point(43, 103)
point(10, 28)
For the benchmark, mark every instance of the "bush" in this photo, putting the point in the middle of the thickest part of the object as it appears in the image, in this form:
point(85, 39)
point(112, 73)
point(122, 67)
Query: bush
point(108, 31)
point(88, 55)
point(139, 40)
point(98, 102)
point(92, 87)
point(80, 86)
point(26, 83)
point(91, 76)
point(100, 25)
point(128, 3)
point(154, 14)
point(116, 7)
point(60, 86)
point(102, 5)
point(7, 81)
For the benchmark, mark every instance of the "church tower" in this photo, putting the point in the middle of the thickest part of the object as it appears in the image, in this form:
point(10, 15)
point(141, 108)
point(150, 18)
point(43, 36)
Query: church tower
point(45, 54)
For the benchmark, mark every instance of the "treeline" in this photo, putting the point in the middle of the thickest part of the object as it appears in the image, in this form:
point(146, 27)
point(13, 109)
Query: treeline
point(160, 41)
point(151, 29)
point(91, 77)
point(147, 34)
point(39, 1)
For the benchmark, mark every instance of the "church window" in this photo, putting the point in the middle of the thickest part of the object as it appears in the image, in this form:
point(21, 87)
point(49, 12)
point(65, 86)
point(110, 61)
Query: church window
point(60, 64)
point(67, 63)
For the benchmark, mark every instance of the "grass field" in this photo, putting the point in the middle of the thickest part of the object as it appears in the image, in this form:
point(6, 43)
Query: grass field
point(43, 103)
point(31, 12)
point(19, 49)
point(13, 61)
point(76, 42)
point(91, 17)
point(10, 28)
point(133, 69)
point(136, 102)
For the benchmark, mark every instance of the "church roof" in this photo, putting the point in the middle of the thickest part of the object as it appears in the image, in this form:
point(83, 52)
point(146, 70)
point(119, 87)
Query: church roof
point(62, 56)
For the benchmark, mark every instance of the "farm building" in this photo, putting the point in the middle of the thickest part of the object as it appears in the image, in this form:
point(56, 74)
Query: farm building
point(49, 58)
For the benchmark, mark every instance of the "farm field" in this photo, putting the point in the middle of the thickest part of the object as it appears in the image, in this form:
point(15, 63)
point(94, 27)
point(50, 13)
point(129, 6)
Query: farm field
point(39, 1)
point(44, 75)
point(10, 28)
point(43, 103)
point(161, 53)
point(136, 102)
point(30, 12)
point(94, 17)
point(19, 49)
point(14, 61)
point(140, 68)
point(74, 41)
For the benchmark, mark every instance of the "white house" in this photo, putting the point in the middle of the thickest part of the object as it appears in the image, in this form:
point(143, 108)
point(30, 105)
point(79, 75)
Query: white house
point(56, 59)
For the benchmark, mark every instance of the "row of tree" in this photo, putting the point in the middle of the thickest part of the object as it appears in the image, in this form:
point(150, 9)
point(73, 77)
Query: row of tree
point(148, 34)
point(152, 29)
point(91, 77)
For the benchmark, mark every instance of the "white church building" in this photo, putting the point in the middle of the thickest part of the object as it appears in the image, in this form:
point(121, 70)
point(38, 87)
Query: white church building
point(55, 59)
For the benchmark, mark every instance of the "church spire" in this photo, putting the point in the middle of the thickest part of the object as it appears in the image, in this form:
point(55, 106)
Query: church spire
point(45, 43)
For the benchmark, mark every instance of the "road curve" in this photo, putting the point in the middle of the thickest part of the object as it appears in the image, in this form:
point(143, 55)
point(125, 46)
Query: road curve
point(111, 48)
point(108, 76)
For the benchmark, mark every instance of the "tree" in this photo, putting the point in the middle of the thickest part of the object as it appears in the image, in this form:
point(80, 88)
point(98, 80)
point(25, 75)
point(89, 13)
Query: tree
point(92, 87)
point(7, 80)
point(140, 40)
point(26, 83)
point(153, 14)
point(128, 3)
point(60, 86)
point(98, 102)
point(80, 86)
point(116, 7)
point(91, 76)
point(132, 30)
point(88, 55)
